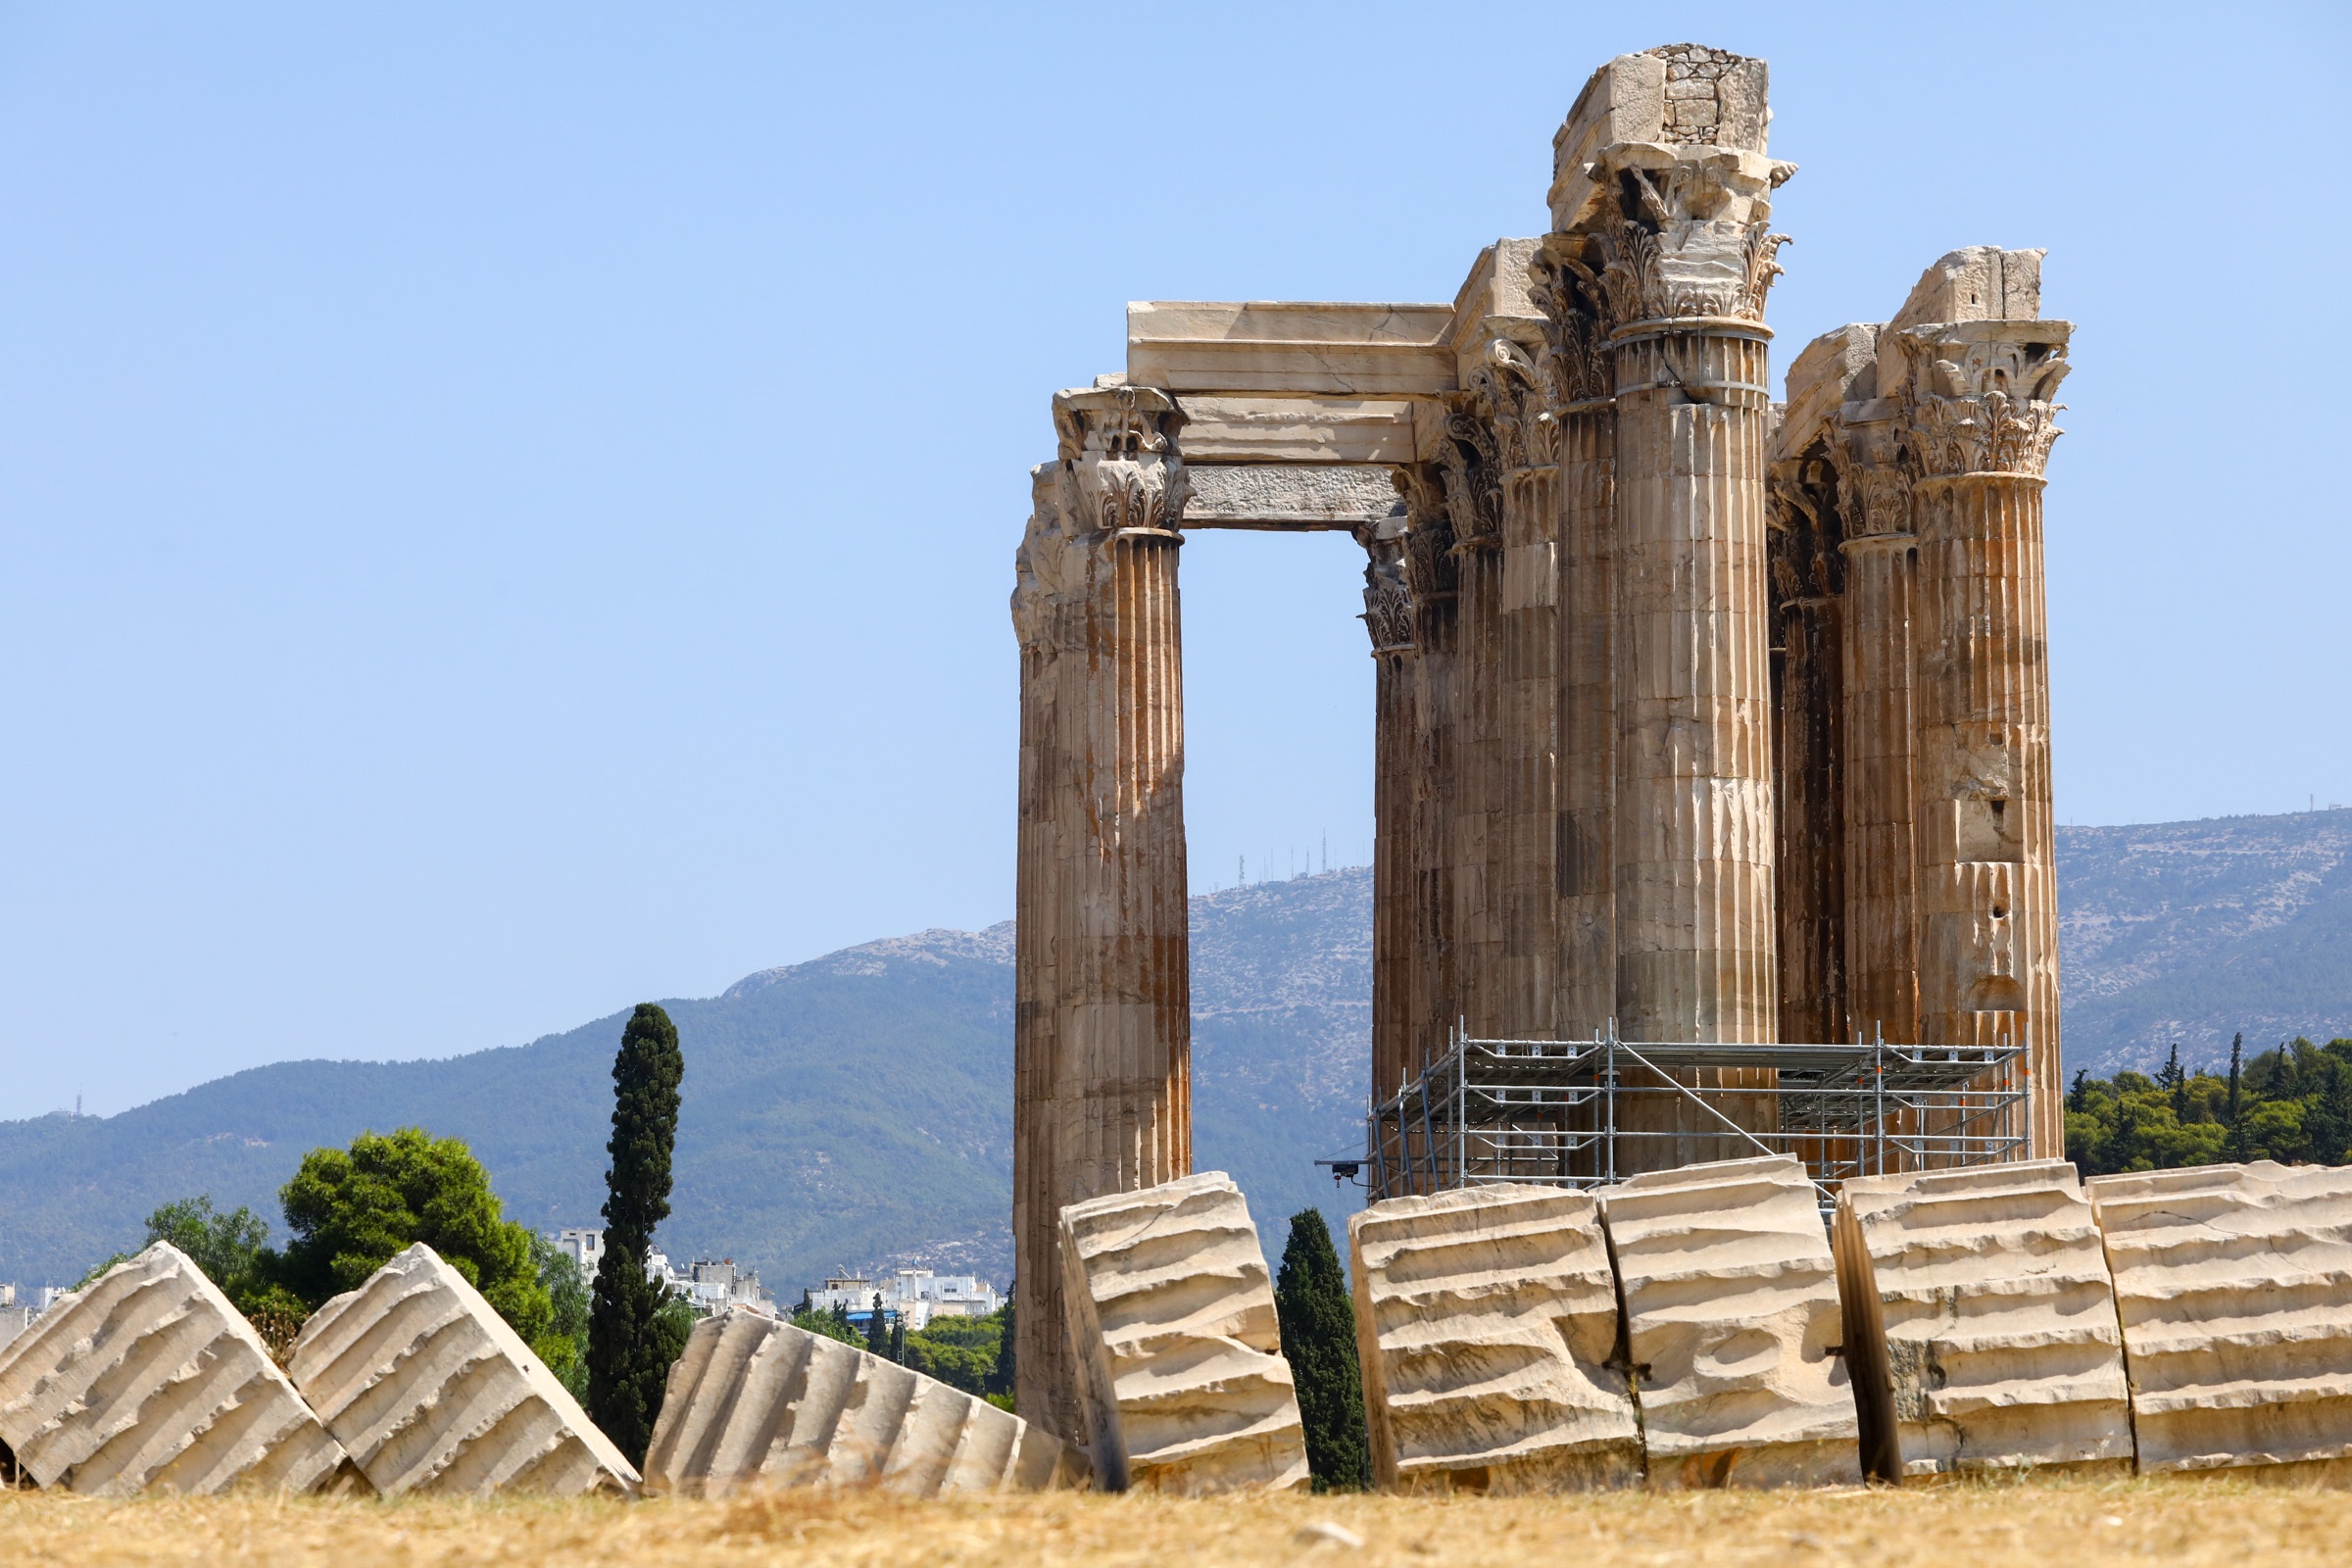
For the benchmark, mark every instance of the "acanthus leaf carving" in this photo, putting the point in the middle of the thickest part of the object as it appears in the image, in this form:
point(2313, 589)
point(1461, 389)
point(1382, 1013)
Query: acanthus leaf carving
point(1118, 446)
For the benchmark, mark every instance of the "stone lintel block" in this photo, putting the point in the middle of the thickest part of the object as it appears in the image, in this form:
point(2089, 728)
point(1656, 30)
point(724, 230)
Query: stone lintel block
point(1829, 374)
point(1732, 1323)
point(1487, 1328)
point(2234, 1287)
point(1980, 1321)
point(148, 1379)
point(431, 1390)
point(757, 1405)
point(1178, 1351)
point(1289, 348)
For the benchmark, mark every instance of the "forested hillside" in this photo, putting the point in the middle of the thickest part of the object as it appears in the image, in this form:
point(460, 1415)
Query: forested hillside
point(856, 1110)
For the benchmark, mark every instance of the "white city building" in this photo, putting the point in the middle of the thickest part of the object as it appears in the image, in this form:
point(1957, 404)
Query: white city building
point(710, 1285)
point(915, 1295)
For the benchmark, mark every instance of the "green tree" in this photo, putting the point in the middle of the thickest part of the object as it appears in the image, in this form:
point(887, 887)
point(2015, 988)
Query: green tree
point(228, 1247)
point(833, 1325)
point(877, 1330)
point(1000, 1384)
point(630, 1342)
point(352, 1211)
point(564, 1346)
point(1318, 1339)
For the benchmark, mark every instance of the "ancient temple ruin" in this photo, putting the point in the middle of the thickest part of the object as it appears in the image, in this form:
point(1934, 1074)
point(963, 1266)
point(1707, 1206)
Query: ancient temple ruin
point(1699, 720)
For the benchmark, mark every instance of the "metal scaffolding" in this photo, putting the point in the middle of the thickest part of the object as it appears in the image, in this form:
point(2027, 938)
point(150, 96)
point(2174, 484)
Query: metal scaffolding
point(1584, 1112)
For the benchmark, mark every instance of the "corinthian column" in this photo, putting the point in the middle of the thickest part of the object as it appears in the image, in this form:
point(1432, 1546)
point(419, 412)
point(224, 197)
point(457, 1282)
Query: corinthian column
point(1102, 1020)
point(1978, 423)
point(1881, 895)
point(1676, 239)
point(1388, 619)
point(1576, 368)
point(1432, 581)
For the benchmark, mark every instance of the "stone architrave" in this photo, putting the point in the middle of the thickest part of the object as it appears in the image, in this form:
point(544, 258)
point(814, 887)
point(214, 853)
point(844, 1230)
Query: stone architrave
point(148, 1380)
point(1979, 1322)
point(1732, 1323)
point(756, 1406)
point(1660, 204)
point(430, 1391)
point(1178, 1351)
point(1487, 1329)
point(1101, 1019)
point(1977, 420)
point(2233, 1284)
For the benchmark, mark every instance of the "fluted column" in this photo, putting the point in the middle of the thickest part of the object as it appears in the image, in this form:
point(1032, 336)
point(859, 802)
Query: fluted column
point(1433, 582)
point(1585, 922)
point(1694, 847)
point(1101, 1041)
point(1980, 422)
point(1807, 574)
point(1882, 893)
point(1388, 619)
point(1473, 479)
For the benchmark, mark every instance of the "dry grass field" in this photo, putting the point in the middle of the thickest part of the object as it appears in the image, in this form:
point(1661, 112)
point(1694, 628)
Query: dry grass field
point(2048, 1523)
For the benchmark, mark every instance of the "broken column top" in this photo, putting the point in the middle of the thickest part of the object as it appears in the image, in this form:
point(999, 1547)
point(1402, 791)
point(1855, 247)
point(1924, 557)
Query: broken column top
point(1975, 284)
point(1681, 98)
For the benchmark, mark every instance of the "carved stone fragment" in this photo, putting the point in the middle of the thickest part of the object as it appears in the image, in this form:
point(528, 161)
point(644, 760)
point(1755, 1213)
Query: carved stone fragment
point(148, 1379)
point(1178, 1355)
point(1487, 1324)
point(1731, 1318)
point(2234, 1287)
point(757, 1405)
point(1980, 1321)
point(430, 1391)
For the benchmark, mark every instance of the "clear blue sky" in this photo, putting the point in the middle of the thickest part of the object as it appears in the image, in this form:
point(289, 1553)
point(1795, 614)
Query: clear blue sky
point(508, 510)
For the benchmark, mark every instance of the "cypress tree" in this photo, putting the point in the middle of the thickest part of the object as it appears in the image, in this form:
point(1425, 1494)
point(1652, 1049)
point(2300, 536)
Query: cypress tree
point(1318, 1339)
point(628, 1356)
point(2237, 1136)
point(877, 1330)
point(897, 1342)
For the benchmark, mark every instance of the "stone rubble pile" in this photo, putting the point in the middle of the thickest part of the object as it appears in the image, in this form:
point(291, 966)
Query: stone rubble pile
point(1688, 1328)
point(147, 1378)
point(1701, 1327)
point(431, 1391)
point(758, 1405)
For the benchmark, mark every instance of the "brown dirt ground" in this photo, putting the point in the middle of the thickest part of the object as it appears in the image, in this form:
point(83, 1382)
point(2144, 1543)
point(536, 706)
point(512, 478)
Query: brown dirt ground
point(2045, 1522)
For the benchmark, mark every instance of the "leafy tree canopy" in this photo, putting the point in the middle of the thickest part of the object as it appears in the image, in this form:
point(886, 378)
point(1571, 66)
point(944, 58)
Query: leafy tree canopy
point(2292, 1104)
point(351, 1211)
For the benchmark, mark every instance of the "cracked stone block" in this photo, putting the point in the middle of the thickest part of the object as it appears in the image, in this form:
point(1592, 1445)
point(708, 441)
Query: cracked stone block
point(2234, 1287)
point(1980, 1321)
point(1732, 1323)
point(148, 1379)
point(1487, 1328)
point(757, 1405)
point(431, 1391)
point(1179, 1356)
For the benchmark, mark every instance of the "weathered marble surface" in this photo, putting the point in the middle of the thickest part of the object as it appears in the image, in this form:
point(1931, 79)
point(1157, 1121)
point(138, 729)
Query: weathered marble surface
point(1732, 1310)
point(1487, 1326)
point(148, 1379)
point(2234, 1287)
point(758, 1405)
point(1178, 1352)
point(1979, 1320)
point(431, 1391)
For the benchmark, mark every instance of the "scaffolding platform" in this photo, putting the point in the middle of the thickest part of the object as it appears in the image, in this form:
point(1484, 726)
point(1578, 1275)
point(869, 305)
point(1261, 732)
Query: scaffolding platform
point(1587, 1112)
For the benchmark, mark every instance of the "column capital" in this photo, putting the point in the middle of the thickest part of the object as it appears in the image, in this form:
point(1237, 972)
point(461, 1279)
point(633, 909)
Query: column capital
point(1976, 397)
point(1119, 448)
point(1679, 239)
point(1431, 572)
point(1874, 482)
point(1388, 589)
